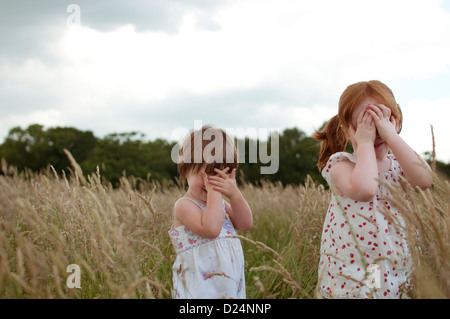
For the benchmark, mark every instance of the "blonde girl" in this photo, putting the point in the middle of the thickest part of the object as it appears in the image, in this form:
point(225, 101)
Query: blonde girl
point(210, 261)
point(364, 253)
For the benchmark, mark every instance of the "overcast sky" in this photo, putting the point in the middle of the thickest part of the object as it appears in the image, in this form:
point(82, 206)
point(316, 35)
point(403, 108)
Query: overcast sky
point(157, 65)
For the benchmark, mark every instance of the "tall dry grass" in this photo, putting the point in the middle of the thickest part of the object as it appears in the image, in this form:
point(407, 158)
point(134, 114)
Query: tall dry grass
point(118, 236)
point(49, 221)
point(427, 224)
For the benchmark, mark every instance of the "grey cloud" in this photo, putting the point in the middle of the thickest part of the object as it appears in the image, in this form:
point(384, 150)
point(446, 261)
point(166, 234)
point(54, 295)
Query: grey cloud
point(234, 108)
point(104, 15)
point(156, 15)
point(29, 27)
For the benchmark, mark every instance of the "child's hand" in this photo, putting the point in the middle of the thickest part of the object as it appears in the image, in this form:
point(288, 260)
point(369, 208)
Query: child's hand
point(365, 131)
point(384, 122)
point(208, 185)
point(223, 183)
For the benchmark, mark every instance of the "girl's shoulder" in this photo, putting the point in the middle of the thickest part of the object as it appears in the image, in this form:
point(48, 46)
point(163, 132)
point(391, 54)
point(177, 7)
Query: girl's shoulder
point(342, 156)
point(185, 201)
point(336, 158)
point(184, 208)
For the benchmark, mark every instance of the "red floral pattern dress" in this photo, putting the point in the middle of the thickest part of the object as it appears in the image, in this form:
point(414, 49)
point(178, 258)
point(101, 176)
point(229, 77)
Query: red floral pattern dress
point(364, 254)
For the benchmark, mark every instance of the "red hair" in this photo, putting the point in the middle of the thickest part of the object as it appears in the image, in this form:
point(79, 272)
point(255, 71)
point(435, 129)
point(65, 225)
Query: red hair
point(332, 138)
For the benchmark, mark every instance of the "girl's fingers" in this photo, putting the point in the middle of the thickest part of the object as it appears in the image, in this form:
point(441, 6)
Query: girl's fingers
point(394, 123)
point(215, 183)
point(361, 116)
point(382, 111)
point(206, 179)
point(219, 189)
point(368, 118)
point(222, 172)
point(373, 115)
point(218, 177)
point(386, 111)
point(215, 179)
point(376, 111)
point(233, 174)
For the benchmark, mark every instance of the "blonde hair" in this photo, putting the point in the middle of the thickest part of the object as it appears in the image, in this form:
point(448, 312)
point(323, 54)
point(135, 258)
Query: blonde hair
point(332, 138)
point(208, 148)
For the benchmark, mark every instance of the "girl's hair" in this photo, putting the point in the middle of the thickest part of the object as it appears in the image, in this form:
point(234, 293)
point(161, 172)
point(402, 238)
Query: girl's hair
point(208, 148)
point(332, 138)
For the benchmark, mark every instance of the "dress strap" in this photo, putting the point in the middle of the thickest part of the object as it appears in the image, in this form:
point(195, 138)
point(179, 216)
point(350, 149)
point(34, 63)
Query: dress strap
point(203, 207)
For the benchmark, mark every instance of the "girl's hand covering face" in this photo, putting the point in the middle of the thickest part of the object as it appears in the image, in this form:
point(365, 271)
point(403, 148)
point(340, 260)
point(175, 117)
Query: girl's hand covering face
point(365, 131)
point(208, 185)
point(224, 183)
point(384, 121)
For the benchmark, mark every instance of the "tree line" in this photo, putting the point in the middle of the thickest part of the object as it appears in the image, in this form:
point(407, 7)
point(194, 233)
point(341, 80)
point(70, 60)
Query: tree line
point(130, 154)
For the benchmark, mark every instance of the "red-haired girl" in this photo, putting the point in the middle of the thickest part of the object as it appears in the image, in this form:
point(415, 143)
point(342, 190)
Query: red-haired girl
point(357, 232)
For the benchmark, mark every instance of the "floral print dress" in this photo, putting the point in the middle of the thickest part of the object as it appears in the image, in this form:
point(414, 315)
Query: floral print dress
point(364, 253)
point(207, 268)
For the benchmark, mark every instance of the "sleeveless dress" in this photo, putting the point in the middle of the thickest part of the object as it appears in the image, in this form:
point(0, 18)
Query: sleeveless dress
point(207, 268)
point(364, 254)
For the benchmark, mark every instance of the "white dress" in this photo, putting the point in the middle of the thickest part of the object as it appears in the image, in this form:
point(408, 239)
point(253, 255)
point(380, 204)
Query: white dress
point(207, 268)
point(363, 253)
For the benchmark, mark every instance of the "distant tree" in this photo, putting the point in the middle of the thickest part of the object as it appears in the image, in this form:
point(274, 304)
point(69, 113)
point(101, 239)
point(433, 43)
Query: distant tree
point(36, 148)
point(298, 157)
point(128, 153)
point(248, 171)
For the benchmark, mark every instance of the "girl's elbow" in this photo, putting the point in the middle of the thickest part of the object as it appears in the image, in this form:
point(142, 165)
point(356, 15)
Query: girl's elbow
point(366, 197)
point(362, 191)
point(213, 233)
point(426, 183)
point(245, 227)
point(423, 182)
point(210, 232)
point(366, 194)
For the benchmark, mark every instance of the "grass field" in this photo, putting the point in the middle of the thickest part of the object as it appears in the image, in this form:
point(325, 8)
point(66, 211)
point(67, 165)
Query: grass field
point(118, 236)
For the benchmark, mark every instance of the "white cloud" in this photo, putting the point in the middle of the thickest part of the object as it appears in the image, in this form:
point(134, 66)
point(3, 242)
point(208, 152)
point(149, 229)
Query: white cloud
point(283, 42)
point(418, 116)
point(307, 118)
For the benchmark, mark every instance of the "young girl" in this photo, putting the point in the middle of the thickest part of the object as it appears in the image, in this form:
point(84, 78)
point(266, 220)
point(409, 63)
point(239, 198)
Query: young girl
point(364, 253)
point(210, 263)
